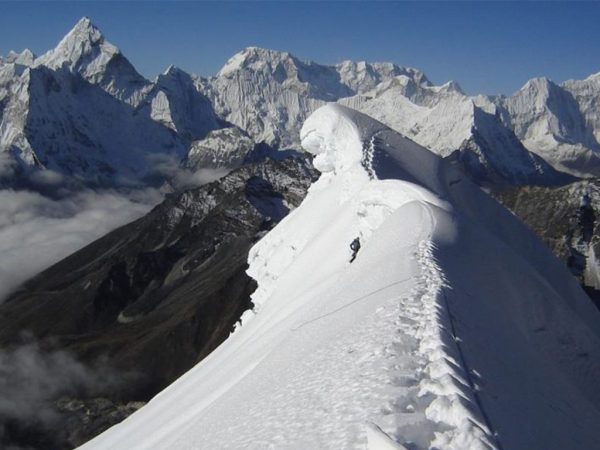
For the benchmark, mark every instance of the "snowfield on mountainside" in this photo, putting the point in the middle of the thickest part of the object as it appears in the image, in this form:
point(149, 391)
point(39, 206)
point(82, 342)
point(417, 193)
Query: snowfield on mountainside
point(454, 328)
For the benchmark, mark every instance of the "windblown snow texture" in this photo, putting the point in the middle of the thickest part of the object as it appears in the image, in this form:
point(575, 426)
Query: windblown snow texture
point(454, 327)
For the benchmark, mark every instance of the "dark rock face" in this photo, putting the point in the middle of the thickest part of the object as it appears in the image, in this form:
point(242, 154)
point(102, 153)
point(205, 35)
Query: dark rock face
point(565, 218)
point(89, 417)
point(156, 296)
point(76, 421)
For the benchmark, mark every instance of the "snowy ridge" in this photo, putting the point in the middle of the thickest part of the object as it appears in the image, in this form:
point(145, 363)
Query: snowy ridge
point(454, 327)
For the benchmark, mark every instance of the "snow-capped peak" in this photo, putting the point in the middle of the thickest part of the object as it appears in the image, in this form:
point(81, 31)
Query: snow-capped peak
point(250, 57)
point(84, 30)
point(451, 86)
point(538, 85)
point(551, 121)
point(174, 72)
point(362, 76)
point(83, 43)
point(85, 50)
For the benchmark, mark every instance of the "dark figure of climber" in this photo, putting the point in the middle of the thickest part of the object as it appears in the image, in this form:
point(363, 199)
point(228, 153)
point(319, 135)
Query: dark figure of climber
point(355, 247)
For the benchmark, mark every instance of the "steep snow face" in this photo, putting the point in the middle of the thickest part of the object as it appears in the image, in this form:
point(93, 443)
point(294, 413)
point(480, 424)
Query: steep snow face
point(14, 103)
point(439, 119)
point(587, 94)
point(269, 94)
point(56, 120)
point(549, 121)
point(175, 102)
point(84, 50)
point(453, 328)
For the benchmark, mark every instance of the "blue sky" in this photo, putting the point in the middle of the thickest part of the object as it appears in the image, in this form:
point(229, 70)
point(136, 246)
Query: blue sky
point(488, 47)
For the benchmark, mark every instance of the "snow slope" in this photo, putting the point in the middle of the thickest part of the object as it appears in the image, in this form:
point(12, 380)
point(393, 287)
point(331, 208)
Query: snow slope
point(454, 328)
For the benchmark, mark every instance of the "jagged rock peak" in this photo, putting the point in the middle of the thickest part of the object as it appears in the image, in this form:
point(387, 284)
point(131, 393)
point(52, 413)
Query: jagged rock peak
point(362, 74)
point(357, 75)
point(26, 57)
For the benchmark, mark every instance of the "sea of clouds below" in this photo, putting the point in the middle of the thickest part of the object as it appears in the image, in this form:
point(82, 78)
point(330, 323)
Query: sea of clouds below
point(37, 231)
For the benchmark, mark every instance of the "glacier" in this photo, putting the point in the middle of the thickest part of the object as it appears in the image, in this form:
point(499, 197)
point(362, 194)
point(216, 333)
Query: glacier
point(454, 327)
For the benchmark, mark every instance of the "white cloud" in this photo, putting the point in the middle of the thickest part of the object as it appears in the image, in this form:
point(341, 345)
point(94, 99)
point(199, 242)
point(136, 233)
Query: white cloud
point(32, 379)
point(167, 167)
point(36, 231)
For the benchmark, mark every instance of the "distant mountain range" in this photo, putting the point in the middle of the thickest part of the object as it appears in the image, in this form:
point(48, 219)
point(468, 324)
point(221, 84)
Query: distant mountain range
point(83, 110)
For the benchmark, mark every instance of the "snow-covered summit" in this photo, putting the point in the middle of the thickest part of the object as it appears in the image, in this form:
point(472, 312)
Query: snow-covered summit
point(79, 46)
point(85, 50)
point(316, 81)
point(255, 58)
point(587, 94)
point(174, 101)
point(453, 328)
point(556, 122)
